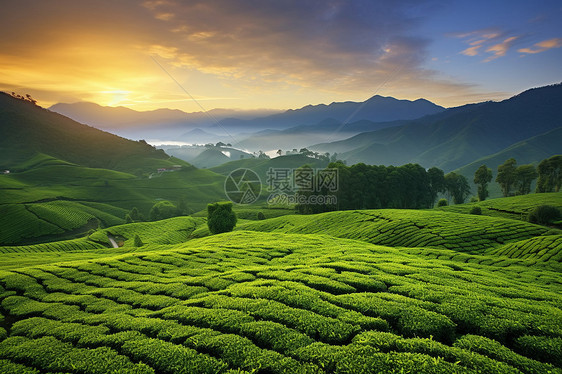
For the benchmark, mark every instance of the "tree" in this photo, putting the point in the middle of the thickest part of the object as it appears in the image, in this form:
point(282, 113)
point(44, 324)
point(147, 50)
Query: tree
point(163, 210)
point(550, 174)
point(506, 176)
point(482, 177)
point(442, 202)
point(457, 186)
point(436, 183)
point(524, 176)
point(220, 217)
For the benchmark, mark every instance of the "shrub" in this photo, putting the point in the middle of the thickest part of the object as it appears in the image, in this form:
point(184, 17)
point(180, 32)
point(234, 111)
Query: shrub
point(137, 241)
point(162, 210)
point(221, 218)
point(545, 214)
point(442, 202)
point(261, 216)
point(476, 210)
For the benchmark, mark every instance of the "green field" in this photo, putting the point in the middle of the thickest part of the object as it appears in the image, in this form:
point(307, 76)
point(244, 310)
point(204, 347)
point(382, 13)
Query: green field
point(53, 200)
point(516, 207)
point(281, 303)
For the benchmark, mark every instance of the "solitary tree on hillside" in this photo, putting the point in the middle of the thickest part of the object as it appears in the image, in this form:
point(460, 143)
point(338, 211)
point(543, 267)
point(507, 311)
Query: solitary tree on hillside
point(482, 177)
point(220, 217)
point(524, 176)
point(506, 176)
point(457, 186)
point(550, 174)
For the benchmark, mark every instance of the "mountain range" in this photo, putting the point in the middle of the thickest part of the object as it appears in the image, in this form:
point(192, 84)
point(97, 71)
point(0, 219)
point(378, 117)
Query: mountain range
point(459, 136)
point(234, 126)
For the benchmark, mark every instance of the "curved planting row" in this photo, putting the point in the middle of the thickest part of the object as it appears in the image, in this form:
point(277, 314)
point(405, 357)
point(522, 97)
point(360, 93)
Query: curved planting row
point(170, 231)
point(541, 249)
point(82, 244)
point(279, 303)
point(407, 228)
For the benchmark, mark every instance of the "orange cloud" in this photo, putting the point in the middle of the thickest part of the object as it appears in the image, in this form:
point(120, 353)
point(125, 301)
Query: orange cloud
point(542, 46)
point(500, 49)
point(472, 51)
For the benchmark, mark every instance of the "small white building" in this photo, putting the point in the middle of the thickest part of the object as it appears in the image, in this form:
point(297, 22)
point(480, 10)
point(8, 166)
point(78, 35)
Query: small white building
point(6, 171)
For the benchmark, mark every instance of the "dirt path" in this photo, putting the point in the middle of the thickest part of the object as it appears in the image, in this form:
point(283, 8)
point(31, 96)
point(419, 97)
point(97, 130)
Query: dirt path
point(112, 241)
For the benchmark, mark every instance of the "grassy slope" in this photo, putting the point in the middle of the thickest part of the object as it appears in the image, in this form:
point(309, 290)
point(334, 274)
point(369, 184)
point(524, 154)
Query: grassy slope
point(281, 303)
point(516, 207)
point(53, 199)
point(27, 130)
point(529, 151)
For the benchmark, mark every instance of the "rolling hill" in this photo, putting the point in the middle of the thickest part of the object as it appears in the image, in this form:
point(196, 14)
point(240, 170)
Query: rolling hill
point(458, 136)
point(282, 303)
point(67, 178)
point(387, 291)
point(27, 130)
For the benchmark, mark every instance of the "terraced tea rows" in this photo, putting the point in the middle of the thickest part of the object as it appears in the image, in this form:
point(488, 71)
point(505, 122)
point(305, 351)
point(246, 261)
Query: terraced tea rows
point(541, 249)
point(516, 207)
point(22, 222)
point(170, 231)
point(407, 228)
point(280, 303)
point(82, 244)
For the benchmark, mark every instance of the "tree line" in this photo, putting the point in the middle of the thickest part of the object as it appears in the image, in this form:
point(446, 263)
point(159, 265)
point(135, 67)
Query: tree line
point(362, 186)
point(411, 186)
point(517, 180)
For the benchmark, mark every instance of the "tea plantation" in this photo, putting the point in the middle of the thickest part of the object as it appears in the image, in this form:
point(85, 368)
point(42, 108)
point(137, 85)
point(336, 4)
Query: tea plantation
point(276, 302)
point(516, 207)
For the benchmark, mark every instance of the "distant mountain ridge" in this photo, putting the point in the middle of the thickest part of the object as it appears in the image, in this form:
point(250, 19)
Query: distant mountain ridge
point(375, 109)
point(457, 136)
point(171, 124)
point(107, 117)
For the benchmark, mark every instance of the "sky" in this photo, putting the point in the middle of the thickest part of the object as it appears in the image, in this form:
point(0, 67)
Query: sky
point(278, 54)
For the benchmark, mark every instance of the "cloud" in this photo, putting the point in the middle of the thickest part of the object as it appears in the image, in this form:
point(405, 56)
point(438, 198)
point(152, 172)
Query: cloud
point(471, 51)
point(542, 46)
point(500, 49)
point(290, 50)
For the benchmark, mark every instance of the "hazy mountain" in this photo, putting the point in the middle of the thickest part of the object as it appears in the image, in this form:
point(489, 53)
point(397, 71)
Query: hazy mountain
point(376, 109)
point(298, 137)
point(120, 118)
point(205, 157)
point(457, 136)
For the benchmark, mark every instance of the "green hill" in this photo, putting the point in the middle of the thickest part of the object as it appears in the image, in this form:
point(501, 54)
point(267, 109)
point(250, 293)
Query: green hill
point(63, 201)
point(406, 228)
point(515, 207)
point(26, 130)
point(459, 136)
point(281, 303)
point(529, 151)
